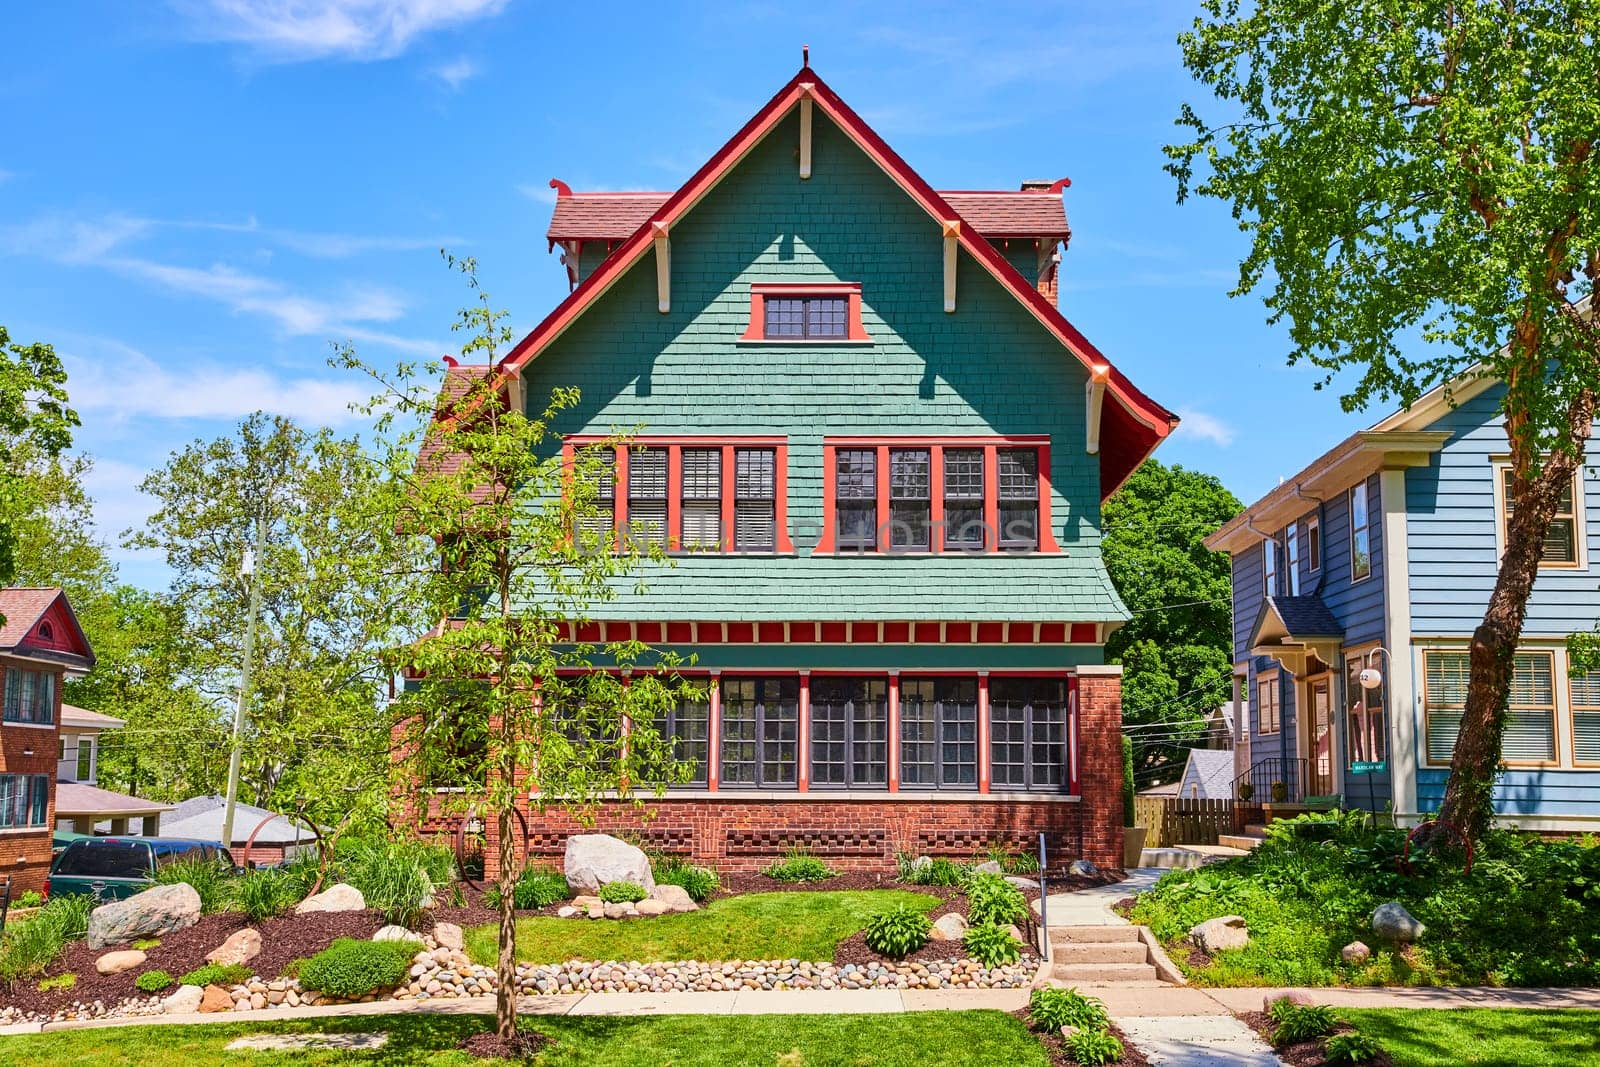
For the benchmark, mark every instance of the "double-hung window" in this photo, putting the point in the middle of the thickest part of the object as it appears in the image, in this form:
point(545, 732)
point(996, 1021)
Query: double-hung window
point(855, 490)
point(849, 733)
point(1585, 698)
point(647, 496)
point(701, 509)
point(938, 733)
point(688, 725)
point(1530, 732)
point(1028, 724)
point(963, 498)
point(24, 800)
point(1313, 546)
point(30, 696)
point(85, 760)
point(1019, 498)
point(910, 498)
point(1561, 537)
point(599, 517)
point(1360, 534)
point(760, 732)
point(755, 500)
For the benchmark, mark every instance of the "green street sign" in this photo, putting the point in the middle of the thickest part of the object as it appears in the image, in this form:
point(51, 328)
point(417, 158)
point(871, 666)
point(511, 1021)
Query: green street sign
point(1368, 766)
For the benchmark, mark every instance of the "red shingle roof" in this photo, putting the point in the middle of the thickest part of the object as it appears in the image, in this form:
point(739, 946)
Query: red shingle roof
point(993, 213)
point(22, 608)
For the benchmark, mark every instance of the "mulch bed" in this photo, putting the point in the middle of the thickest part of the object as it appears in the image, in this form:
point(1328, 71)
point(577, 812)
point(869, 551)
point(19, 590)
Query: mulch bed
point(1301, 1054)
point(1057, 1051)
point(853, 949)
point(489, 1046)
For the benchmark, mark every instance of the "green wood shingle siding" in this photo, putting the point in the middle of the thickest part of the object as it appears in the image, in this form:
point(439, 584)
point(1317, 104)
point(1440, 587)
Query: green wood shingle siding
point(990, 368)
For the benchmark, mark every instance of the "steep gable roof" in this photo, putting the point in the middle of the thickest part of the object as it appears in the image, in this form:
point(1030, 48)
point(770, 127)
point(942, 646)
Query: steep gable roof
point(40, 623)
point(1132, 424)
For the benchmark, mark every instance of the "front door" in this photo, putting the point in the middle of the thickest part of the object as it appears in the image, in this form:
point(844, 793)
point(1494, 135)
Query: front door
point(1318, 732)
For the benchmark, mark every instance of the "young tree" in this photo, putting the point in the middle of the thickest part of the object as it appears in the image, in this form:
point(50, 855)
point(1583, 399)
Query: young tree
point(500, 695)
point(1424, 171)
point(35, 424)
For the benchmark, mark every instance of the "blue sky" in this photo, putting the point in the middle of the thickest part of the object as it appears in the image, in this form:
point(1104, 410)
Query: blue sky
point(197, 196)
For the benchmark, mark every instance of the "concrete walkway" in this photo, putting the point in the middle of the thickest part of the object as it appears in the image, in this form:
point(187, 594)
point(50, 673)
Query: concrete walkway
point(1092, 907)
point(1198, 1041)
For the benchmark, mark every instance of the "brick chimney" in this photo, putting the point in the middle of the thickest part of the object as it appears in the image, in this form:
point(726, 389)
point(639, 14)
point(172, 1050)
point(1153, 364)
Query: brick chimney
point(1046, 278)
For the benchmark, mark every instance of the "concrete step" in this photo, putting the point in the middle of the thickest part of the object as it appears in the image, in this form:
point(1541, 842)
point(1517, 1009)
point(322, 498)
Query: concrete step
point(1100, 952)
point(1243, 841)
point(1103, 973)
point(1171, 858)
point(1061, 935)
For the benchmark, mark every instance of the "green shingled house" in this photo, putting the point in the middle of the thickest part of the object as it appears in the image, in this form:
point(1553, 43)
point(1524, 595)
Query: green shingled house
point(880, 452)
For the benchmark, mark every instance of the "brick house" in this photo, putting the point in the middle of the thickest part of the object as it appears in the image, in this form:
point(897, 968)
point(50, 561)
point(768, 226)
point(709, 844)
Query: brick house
point(878, 451)
point(41, 645)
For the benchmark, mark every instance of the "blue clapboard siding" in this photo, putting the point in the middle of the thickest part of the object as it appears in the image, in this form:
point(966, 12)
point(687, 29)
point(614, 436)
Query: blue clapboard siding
point(1357, 605)
point(1524, 792)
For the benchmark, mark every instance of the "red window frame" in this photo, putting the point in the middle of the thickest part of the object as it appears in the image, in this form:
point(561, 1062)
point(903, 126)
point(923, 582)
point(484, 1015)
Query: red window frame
point(782, 543)
point(991, 447)
point(756, 329)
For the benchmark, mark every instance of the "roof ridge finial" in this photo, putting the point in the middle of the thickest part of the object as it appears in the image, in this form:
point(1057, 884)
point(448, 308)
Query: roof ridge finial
point(805, 57)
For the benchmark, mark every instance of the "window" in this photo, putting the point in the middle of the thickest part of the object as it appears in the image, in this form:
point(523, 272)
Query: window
point(647, 496)
point(1028, 727)
point(755, 500)
point(1269, 567)
point(1530, 719)
point(1019, 498)
point(760, 732)
point(963, 498)
point(807, 317)
point(689, 726)
point(1561, 538)
point(24, 800)
point(938, 733)
point(701, 513)
point(1366, 739)
point(46, 632)
point(1314, 546)
point(1360, 534)
point(1585, 690)
point(30, 696)
point(910, 497)
point(850, 733)
point(595, 530)
point(85, 759)
point(855, 489)
point(1292, 560)
point(1267, 721)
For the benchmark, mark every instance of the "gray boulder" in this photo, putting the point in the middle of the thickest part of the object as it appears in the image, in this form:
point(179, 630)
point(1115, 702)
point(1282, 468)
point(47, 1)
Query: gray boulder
point(158, 910)
point(1355, 952)
point(1220, 934)
point(988, 867)
point(1394, 922)
point(1022, 883)
point(594, 860)
point(1083, 869)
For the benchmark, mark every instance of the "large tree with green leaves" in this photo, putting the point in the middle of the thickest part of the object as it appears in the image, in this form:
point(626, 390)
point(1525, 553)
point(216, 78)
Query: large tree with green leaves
point(1420, 192)
point(35, 425)
point(500, 696)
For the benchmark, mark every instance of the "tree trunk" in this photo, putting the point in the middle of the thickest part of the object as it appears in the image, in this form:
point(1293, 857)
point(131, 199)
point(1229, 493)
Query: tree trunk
point(505, 965)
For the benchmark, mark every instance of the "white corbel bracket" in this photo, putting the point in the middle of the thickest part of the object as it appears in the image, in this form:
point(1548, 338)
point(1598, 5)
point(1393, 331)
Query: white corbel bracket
point(663, 247)
point(952, 239)
point(1094, 395)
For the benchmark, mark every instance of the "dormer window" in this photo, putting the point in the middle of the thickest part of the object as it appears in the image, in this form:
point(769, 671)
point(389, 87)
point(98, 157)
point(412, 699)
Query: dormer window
point(810, 317)
point(809, 313)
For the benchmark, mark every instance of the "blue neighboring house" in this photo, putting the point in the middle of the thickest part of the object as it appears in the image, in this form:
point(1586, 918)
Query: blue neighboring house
point(1381, 554)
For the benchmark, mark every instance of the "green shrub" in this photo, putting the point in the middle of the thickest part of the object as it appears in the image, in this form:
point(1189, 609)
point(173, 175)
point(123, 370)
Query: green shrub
point(264, 894)
point(937, 871)
point(349, 968)
point(623, 892)
point(991, 945)
point(535, 887)
point(222, 974)
point(699, 882)
point(1053, 1009)
point(60, 981)
point(1010, 860)
point(393, 876)
point(799, 866)
point(898, 932)
point(1300, 1022)
point(30, 898)
point(145, 944)
point(153, 981)
point(993, 900)
point(32, 944)
point(1092, 1047)
point(1351, 1048)
point(211, 879)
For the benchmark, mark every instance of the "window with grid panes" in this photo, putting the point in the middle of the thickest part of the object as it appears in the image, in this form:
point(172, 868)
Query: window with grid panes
point(1561, 536)
point(1530, 716)
point(755, 499)
point(938, 733)
point(688, 725)
point(1028, 732)
point(807, 317)
point(647, 496)
point(1586, 718)
point(30, 696)
point(1018, 471)
point(1360, 534)
point(849, 732)
point(855, 487)
point(760, 732)
point(600, 465)
point(963, 498)
point(24, 800)
point(701, 509)
point(910, 497)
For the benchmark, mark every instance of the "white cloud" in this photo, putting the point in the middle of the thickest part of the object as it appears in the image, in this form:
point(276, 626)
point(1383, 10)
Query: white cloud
point(456, 73)
point(1205, 427)
point(292, 30)
point(118, 504)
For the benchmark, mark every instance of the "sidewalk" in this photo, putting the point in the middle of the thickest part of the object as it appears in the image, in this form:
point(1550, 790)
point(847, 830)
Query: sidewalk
point(1092, 907)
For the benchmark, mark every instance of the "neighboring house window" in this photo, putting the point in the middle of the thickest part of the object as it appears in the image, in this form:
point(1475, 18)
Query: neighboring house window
point(855, 487)
point(1360, 534)
point(910, 497)
point(1269, 566)
point(1530, 734)
point(647, 496)
point(85, 759)
point(755, 500)
point(1292, 560)
point(701, 517)
point(938, 733)
point(849, 732)
point(806, 312)
point(1585, 709)
point(1562, 538)
point(1366, 738)
point(963, 498)
point(760, 732)
point(1267, 704)
point(688, 725)
point(1314, 546)
point(1019, 498)
point(24, 800)
point(1028, 727)
point(30, 696)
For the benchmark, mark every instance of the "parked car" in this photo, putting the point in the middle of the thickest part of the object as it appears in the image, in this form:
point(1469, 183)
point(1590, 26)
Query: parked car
point(111, 868)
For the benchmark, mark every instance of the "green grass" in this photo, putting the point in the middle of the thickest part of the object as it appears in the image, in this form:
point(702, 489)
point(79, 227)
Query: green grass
point(977, 1038)
point(754, 926)
point(1416, 1037)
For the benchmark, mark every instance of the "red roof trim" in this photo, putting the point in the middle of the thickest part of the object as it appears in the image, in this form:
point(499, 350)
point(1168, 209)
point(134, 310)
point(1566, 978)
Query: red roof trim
point(1157, 420)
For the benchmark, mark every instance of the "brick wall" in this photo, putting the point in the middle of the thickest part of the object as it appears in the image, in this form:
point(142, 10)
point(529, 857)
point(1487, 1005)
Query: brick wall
point(1100, 757)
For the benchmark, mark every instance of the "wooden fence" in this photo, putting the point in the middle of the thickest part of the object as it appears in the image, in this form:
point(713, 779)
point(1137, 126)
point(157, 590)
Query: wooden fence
point(1183, 821)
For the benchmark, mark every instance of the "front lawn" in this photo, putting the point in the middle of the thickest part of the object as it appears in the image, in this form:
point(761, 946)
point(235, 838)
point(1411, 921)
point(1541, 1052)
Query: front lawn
point(981, 1038)
point(1461, 1036)
point(753, 926)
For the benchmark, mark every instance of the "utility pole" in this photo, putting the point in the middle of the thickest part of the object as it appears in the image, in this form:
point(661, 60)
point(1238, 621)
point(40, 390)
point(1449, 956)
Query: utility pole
point(247, 567)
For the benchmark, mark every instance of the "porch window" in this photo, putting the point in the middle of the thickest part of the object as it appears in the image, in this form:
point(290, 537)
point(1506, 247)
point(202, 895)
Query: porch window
point(1530, 720)
point(849, 733)
point(755, 500)
point(1019, 498)
point(1360, 534)
point(30, 696)
point(1585, 701)
point(688, 725)
point(1562, 537)
point(855, 488)
point(701, 516)
point(1366, 736)
point(910, 498)
point(647, 496)
point(1028, 727)
point(24, 800)
point(963, 498)
point(938, 733)
point(1267, 714)
point(760, 732)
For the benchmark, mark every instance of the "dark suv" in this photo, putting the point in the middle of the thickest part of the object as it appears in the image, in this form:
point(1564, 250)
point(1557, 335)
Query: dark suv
point(110, 868)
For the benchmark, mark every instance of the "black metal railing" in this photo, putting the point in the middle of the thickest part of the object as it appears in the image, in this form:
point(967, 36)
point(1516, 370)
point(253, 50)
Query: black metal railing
point(1274, 780)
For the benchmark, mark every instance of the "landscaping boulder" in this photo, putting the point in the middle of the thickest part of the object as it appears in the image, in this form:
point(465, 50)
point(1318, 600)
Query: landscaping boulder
point(215, 998)
point(448, 935)
point(584, 902)
point(675, 897)
point(594, 860)
point(1355, 952)
point(1022, 883)
point(117, 962)
point(652, 906)
point(185, 1000)
point(1083, 869)
point(1016, 934)
point(1393, 922)
point(617, 910)
point(242, 946)
point(342, 897)
point(1294, 996)
point(158, 910)
point(567, 911)
point(922, 863)
point(1221, 934)
point(948, 927)
point(988, 867)
point(398, 933)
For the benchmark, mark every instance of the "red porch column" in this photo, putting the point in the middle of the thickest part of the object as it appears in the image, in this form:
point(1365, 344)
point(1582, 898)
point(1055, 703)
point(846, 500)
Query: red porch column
point(1100, 753)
